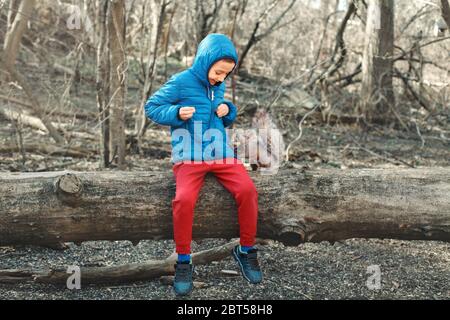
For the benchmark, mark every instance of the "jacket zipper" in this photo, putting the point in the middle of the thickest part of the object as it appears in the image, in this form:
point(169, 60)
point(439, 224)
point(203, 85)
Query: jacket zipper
point(212, 105)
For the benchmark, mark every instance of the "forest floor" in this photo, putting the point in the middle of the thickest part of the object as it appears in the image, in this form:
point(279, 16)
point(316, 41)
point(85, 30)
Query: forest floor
point(409, 269)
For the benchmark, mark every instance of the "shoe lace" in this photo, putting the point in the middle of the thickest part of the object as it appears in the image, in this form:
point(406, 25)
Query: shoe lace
point(183, 273)
point(253, 261)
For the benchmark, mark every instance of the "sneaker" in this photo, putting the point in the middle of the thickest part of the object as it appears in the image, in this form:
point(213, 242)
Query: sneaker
point(183, 278)
point(248, 262)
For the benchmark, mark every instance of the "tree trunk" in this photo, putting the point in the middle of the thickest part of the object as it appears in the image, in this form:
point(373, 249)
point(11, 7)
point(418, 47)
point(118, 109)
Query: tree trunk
point(11, 47)
point(118, 80)
point(142, 120)
point(12, 9)
point(166, 38)
point(13, 36)
point(102, 83)
point(294, 206)
point(445, 10)
point(377, 96)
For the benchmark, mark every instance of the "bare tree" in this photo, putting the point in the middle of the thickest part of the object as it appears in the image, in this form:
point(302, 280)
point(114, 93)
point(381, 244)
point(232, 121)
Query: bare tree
point(234, 8)
point(445, 8)
point(111, 80)
point(204, 18)
point(118, 82)
point(166, 39)
point(339, 52)
point(142, 121)
point(102, 79)
point(17, 24)
point(11, 47)
point(256, 36)
point(12, 9)
point(377, 96)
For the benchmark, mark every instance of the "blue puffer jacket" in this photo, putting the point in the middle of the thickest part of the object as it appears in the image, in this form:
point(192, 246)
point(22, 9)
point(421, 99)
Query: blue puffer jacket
point(203, 137)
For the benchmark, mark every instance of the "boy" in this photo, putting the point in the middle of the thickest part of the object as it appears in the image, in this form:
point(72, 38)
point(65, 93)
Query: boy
point(192, 103)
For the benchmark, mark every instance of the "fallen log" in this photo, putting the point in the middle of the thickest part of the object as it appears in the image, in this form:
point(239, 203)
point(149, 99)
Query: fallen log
point(77, 114)
point(25, 119)
point(69, 151)
point(294, 206)
point(121, 273)
point(36, 123)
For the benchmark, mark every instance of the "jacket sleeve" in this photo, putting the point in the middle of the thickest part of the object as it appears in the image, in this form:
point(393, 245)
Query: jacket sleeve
point(231, 115)
point(162, 106)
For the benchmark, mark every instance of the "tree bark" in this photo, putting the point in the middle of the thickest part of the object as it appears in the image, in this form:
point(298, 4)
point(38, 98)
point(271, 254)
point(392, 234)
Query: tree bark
point(142, 120)
point(377, 95)
point(445, 10)
point(102, 83)
point(12, 9)
point(17, 26)
point(294, 206)
point(118, 81)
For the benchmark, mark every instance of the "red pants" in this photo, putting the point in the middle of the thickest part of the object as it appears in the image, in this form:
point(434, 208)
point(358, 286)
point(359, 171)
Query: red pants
point(189, 178)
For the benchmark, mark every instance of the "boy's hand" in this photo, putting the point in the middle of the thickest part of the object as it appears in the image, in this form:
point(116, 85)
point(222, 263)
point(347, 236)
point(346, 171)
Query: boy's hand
point(222, 110)
point(186, 112)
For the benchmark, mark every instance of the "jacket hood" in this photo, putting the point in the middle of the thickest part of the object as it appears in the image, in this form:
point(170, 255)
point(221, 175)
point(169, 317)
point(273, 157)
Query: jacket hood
point(211, 49)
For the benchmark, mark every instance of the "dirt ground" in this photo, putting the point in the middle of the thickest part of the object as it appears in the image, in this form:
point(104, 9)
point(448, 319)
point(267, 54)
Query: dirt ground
point(408, 270)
